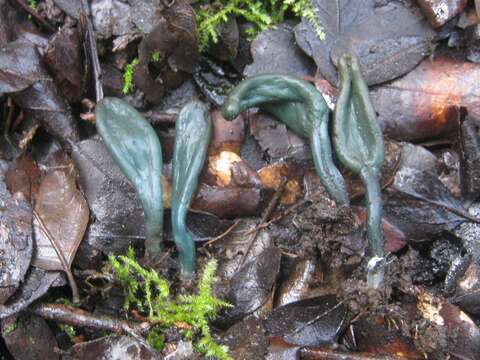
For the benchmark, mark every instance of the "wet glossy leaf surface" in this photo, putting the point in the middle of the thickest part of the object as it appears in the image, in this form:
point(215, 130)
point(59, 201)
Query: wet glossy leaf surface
point(311, 322)
point(275, 51)
point(16, 244)
point(19, 342)
point(64, 212)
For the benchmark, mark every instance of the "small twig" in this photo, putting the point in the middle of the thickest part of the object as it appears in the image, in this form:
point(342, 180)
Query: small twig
point(35, 14)
point(268, 212)
point(163, 118)
point(80, 318)
point(91, 49)
point(221, 236)
point(61, 257)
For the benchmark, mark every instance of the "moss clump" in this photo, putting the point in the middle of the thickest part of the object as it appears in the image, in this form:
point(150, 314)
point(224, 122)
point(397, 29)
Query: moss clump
point(262, 15)
point(128, 72)
point(149, 293)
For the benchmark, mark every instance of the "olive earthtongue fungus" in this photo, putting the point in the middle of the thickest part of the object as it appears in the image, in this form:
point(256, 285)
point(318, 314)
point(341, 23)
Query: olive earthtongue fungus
point(302, 108)
point(134, 145)
point(192, 136)
point(358, 143)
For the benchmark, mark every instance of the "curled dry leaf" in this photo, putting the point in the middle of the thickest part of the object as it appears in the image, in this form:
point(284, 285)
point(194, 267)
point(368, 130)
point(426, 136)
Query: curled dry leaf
point(65, 213)
point(423, 104)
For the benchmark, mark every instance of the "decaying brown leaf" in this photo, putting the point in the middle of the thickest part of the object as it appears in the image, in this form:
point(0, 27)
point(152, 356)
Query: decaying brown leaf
point(174, 43)
point(64, 212)
point(423, 104)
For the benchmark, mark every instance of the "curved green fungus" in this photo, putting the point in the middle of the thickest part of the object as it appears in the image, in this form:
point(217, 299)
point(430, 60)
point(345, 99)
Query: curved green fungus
point(134, 145)
point(302, 108)
point(192, 136)
point(358, 143)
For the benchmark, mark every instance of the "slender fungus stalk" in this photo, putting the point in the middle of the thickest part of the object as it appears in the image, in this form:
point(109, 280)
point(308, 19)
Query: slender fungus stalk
point(358, 143)
point(192, 136)
point(302, 108)
point(134, 145)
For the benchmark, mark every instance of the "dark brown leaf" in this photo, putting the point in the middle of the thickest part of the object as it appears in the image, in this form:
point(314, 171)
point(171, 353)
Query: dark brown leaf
point(311, 322)
point(388, 43)
point(30, 339)
point(438, 12)
point(113, 347)
point(64, 59)
point(20, 67)
point(335, 17)
point(174, 39)
point(23, 176)
point(423, 104)
point(65, 213)
point(275, 51)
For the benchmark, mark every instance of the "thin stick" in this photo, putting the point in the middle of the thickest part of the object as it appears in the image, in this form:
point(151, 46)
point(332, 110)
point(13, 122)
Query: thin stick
point(268, 212)
point(92, 49)
point(35, 14)
point(61, 257)
point(221, 236)
point(80, 318)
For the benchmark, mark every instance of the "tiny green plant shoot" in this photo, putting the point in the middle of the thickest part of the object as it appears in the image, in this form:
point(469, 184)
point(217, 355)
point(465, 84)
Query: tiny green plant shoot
point(32, 4)
point(149, 293)
point(128, 72)
point(263, 15)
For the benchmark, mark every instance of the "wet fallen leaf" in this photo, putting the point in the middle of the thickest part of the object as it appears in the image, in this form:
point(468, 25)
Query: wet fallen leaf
point(420, 205)
point(30, 339)
point(335, 17)
point(272, 177)
point(467, 293)
point(438, 12)
point(461, 331)
point(246, 339)
point(275, 51)
point(226, 48)
point(174, 41)
point(247, 281)
point(22, 74)
point(64, 212)
point(229, 169)
point(36, 284)
point(278, 141)
point(311, 322)
point(64, 59)
point(469, 160)
point(297, 284)
point(23, 176)
point(15, 242)
point(423, 104)
point(227, 202)
point(226, 135)
point(111, 17)
point(113, 347)
point(374, 335)
point(388, 42)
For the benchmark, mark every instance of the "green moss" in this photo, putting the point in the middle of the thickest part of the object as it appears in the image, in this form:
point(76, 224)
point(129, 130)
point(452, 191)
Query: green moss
point(156, 56)
point(262, 15)
point(147, 292)
point(128, 72)
point(32, 4)
point(10, 328)
point(69, 330)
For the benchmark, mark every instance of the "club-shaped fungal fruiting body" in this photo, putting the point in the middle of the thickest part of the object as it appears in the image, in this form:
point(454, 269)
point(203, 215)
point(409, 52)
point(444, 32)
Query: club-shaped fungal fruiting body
point(302, 108)
point(134, 145)
point(358, 144)
point(192, 136)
